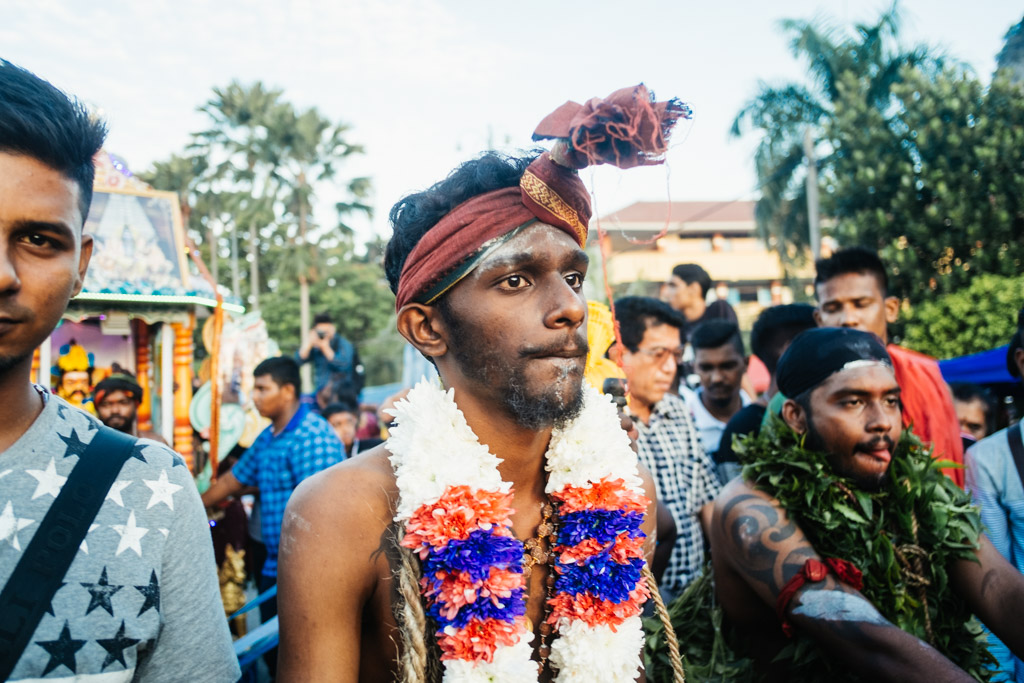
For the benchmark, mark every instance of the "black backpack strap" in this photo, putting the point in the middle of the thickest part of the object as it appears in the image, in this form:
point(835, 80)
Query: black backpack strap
point(1013, 435)
point(49, 554)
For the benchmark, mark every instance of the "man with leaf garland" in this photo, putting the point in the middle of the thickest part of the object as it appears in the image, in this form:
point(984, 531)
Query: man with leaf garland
point(843, 553)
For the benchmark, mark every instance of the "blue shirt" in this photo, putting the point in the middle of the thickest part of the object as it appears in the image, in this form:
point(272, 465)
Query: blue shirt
point(345, 367)
point(994, 482)
point(276, 463)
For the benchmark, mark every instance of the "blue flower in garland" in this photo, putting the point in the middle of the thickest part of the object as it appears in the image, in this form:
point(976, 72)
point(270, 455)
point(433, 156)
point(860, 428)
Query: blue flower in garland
point(601, 525)
point(483, 608)
point(475, 555)
point(600, 576)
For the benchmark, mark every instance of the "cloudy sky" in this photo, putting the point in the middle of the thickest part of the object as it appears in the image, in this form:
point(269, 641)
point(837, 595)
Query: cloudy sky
point(426, 84)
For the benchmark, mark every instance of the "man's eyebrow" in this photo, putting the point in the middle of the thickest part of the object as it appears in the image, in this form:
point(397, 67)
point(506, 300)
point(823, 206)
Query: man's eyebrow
point(60, 227)
point(527, 256)
point(850, 391)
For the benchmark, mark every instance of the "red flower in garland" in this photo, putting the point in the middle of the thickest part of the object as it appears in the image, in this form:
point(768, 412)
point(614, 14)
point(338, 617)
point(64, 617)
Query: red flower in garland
point(603, 495)
point(597, 612)
point(478, 640)
point(459, 511)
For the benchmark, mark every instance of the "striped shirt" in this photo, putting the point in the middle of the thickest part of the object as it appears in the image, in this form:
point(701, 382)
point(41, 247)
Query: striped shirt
point(685, 480)
point(995, 484)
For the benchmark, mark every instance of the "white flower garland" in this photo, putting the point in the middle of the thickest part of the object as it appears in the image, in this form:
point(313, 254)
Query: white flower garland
point(434, 449)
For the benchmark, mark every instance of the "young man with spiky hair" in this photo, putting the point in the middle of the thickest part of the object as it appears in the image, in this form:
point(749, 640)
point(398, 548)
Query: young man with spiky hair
point(140, 598)
point(500, 533)
point(720, 361)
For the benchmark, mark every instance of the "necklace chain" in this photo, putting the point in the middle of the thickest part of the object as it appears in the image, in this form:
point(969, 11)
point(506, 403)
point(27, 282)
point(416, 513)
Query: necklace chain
point(538, 551)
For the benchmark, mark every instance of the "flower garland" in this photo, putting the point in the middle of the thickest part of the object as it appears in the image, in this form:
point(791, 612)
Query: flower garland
point(457, 516)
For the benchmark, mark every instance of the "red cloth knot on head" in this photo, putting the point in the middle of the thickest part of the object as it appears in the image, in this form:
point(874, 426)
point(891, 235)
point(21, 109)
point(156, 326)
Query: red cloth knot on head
point(626, 129)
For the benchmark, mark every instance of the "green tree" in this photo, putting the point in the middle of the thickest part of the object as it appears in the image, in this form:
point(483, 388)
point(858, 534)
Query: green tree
point(256, 169)
point(309, 149)
point(935, 184)
point(242, 160)
point(1012, 55)
point(782, 115)
point(357, 297)
point(979, 317)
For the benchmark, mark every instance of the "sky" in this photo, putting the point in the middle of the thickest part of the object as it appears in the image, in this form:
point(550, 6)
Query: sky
point(427, 84)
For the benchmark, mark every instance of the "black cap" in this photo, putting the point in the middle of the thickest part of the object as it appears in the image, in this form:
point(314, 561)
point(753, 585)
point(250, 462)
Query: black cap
point(815, 355)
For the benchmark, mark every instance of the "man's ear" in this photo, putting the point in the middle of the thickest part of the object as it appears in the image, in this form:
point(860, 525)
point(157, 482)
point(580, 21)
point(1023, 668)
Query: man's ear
point(422, 326)
point(83, 263)
point(1018, 358)
point(615, 353)
point(892, 309)
point(795, 416)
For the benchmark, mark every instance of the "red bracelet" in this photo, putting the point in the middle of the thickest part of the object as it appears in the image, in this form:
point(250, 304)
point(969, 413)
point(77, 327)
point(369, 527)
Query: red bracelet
point(814, 571)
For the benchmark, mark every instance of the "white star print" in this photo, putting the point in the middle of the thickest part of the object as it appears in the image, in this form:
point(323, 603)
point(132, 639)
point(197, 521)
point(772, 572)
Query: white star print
point(5, 473)
point(164, 532)
point(84, 547)
point(10, 525)
point(130, 535)
point(115, 491)
point(50, 482)
point(163, 490)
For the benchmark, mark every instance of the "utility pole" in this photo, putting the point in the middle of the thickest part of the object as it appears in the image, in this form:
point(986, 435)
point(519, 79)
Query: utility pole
point(254, 266)
point(236, 287)
point(812, 194)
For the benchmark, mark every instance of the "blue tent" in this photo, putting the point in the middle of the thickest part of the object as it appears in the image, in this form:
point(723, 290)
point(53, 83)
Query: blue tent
point(986, 367)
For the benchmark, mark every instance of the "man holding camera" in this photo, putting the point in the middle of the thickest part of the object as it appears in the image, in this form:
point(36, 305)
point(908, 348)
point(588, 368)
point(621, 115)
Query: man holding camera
point(335, 360)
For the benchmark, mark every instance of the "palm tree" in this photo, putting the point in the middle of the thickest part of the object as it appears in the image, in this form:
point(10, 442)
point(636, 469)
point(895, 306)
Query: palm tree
point(242, 160)
point(1012, 55)
point(310, 148)
point(784, 114)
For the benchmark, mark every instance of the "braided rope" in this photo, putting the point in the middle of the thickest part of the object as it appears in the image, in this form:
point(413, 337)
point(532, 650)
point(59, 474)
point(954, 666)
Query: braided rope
point(412, 621)
point(678, 675)
point(916, 577)
point(922, 593)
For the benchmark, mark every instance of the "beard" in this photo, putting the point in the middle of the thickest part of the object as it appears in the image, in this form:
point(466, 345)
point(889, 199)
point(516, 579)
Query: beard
point(8, 363)
point(553, 404)
point(869, 481)
point(120, 423)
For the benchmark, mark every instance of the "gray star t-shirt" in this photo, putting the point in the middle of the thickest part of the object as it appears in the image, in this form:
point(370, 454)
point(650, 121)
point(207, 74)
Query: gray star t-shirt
point(140, 601)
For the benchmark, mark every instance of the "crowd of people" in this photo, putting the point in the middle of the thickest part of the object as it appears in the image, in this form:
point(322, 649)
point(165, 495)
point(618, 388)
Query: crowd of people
point(506, 521)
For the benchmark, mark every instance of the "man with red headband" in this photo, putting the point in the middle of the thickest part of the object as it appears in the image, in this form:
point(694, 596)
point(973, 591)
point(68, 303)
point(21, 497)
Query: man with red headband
point(501, 532)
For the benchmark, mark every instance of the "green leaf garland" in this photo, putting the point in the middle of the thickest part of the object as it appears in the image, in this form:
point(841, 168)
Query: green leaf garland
point(872, 529)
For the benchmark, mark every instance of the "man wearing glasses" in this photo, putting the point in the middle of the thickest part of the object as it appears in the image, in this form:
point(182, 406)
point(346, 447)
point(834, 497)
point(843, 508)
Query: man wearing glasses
point(668, 443)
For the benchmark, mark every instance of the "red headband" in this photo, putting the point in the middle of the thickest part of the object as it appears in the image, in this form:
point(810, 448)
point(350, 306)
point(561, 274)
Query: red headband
point(626, 129)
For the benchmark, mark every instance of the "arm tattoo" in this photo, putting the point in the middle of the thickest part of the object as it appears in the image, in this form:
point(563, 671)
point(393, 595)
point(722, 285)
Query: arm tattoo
point(754, 531)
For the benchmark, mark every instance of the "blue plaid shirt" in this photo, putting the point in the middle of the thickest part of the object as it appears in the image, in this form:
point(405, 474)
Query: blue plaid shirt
point(276, 463)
